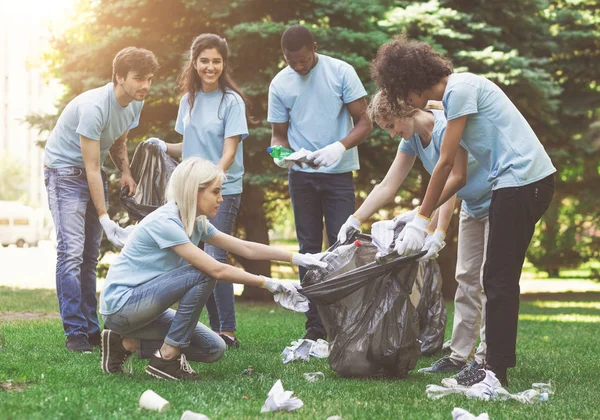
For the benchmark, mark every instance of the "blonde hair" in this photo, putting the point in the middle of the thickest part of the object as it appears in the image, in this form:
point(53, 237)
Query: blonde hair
point(190, 176)
point(379, 108)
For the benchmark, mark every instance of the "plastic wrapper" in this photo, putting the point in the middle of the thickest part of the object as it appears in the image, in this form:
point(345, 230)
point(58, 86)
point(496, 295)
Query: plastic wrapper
point(280, 400)
point(151, 169)
point(303, 349)
point(371, 324)
point(462, 414)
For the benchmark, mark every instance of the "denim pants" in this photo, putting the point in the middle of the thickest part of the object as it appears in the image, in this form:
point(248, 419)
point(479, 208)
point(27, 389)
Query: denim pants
point(78, 235)
point(147, 317)
point(316, 196)
point(469, 300)
point(220, 305)
point(514, 213)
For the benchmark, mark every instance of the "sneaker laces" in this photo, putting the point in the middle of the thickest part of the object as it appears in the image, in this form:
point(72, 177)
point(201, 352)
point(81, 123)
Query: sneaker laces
point(444, 360)
point(185, 366)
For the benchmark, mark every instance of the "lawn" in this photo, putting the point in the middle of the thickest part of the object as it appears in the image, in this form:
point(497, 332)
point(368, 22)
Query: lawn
point(558, 341)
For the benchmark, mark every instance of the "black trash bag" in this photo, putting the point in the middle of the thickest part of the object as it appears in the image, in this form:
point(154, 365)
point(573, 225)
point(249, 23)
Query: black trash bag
point(151, 169)
point(431, 307)
point(371, 323)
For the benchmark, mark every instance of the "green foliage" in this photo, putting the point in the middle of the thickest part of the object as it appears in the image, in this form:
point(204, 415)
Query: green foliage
point(13, 179)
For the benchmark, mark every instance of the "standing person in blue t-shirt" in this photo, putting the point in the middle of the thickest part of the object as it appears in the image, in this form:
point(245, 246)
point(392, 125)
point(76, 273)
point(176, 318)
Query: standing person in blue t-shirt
point(213, 118)
point(422, 134)
point(162, 265)
point(312, 105)
point(521, 173)
point(90, 127)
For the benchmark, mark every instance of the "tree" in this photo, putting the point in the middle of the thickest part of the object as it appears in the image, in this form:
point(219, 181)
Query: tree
point(13, 179)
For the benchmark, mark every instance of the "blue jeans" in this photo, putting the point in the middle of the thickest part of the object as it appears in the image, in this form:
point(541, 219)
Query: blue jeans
point(220, 305)
point(78, 235)
point(147, 316)
point(316, 196)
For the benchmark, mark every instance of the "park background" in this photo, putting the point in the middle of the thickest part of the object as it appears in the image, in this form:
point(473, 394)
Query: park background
point(543, 53)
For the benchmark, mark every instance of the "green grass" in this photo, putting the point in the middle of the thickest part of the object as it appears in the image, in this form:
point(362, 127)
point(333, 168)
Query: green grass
point(558, 341)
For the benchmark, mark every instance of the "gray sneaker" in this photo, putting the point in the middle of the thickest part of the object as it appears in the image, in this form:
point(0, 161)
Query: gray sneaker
point(471, 374)
point(444, 365)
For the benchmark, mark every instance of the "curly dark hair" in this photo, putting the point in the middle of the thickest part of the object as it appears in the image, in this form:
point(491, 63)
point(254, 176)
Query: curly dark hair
point(401, 66)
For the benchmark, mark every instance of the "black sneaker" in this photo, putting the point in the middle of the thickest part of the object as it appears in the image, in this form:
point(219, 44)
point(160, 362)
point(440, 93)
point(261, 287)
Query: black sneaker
point(177, 369)
point(78, 343)
point(314, 336)
point(94, 339)
point(444, 365)
point(232, 342)
point(114, 355)
point(466, 371)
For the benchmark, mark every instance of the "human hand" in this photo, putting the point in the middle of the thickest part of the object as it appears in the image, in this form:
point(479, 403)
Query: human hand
point(414, 236)
point(127, 181)
point(350, 225)
point(115, 233)
point(328, 155)
point(309, 261)
point(161, 144)
point(434, 243)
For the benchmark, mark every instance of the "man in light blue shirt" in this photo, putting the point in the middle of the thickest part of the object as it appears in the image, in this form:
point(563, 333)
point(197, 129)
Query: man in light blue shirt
point(90, 127)
point(318, 103)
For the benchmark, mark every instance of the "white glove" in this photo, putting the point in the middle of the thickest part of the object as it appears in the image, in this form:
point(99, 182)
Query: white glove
point(309, 260)
point(351, 224)
point(285, 164)
point(158, 143)
point(115, 233)
point(285, 293)
point(403, 218)
point(434, 243)
point(414, 236)
point(328, 155)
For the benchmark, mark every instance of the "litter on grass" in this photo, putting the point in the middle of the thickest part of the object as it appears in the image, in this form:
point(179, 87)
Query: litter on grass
point(190, 415)
point(314, 376)
point(491, 389)
point(462, 414)
point(303, 349)
point(280, 400)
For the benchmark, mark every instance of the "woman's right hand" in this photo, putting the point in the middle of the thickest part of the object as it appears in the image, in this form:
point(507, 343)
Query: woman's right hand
point(351, 224)
point(285, 293)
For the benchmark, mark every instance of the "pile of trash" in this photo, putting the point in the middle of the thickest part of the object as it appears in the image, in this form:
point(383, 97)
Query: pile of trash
point(303, 349)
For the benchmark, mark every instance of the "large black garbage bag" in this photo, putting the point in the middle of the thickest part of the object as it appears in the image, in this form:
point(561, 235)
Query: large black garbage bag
point(431, 308)
point(371, 323)
point(151, 169)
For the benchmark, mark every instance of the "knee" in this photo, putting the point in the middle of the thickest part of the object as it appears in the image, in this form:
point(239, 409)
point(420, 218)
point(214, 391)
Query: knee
point(219, 348)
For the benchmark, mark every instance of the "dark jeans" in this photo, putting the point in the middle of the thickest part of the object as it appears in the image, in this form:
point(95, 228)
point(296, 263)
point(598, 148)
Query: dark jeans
point(514, 213)
point(316, 196)
point(221, 303)
point(78, 236)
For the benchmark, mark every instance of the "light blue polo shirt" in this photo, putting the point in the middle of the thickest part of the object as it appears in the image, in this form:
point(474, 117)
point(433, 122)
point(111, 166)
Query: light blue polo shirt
point(148, 254)
point(94, 114)
point(496, 133)
point(315, 107)
point(214, 118)
point(477, 194)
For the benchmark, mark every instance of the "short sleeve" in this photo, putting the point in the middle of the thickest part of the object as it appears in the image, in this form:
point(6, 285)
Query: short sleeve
point(235, 118)
point(277, 113)
point(407, 147)
point(138, 112)
point(183, 108)
point(206, 230)
point(460, 100)
point(353, 88)
point(91, 122)
point(167, 232)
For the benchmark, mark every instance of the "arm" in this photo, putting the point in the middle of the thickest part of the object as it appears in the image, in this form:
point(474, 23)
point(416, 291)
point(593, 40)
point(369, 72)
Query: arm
point(174, 149)
point(229, 150)
point(362, 124)
point(444, 215)
point(215, 269)
point(458, 176)
point(249, 250)
point(90, 151)
point(385, 191)
point(449, 150)
point(118, 154)
point(279, 135)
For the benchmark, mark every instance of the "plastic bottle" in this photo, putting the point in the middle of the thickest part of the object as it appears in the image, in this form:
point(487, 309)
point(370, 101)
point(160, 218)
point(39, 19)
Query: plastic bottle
point(279, 152)
point(341, 256)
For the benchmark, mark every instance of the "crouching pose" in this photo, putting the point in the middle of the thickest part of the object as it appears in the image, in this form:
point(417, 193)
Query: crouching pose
point(162, 265)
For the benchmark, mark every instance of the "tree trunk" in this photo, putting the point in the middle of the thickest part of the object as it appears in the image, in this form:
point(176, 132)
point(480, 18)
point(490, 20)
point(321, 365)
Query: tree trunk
point(252, 222)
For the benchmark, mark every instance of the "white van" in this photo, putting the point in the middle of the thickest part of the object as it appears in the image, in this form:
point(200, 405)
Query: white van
point(20, 224)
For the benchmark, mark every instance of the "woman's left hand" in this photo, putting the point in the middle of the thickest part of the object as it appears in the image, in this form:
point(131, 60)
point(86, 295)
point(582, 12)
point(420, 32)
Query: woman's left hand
point(309, 261)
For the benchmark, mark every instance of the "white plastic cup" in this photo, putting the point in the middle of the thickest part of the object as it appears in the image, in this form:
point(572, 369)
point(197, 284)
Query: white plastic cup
point(150, 400)
point(190, 415)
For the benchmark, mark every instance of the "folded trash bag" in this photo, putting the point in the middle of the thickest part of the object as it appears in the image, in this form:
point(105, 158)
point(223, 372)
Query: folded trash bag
point(151, 169)
point(371, 323)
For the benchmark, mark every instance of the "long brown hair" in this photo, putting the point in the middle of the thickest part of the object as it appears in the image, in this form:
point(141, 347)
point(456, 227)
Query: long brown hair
point(189, 80)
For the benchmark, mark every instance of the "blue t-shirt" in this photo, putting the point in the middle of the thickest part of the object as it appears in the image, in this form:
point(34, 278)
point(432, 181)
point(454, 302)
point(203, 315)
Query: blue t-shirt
point(94, 114)
point(148, 254)
point(315, 107)
point(477, 194)
point(214, 118)
point(496, 133)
